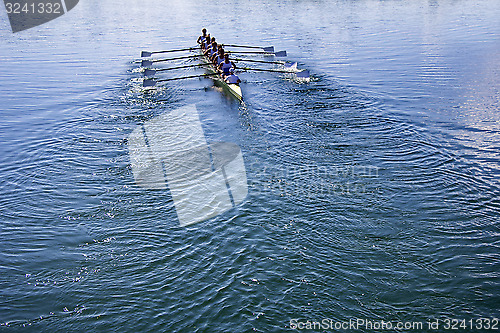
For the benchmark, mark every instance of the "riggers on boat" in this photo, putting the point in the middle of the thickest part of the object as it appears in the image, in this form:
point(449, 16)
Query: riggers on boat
point(233, 89)
point(229, 82)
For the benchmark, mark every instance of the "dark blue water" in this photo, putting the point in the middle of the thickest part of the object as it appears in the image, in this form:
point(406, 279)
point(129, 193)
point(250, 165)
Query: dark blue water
point(373, 189)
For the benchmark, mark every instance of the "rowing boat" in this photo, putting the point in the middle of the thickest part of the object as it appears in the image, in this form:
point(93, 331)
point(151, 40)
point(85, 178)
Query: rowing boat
point(233, 89)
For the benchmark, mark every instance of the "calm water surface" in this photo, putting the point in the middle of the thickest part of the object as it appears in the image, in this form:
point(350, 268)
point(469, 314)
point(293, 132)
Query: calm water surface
point(373, 189)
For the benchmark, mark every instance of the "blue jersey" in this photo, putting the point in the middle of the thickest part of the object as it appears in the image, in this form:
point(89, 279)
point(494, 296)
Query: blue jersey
point(226, 67)
point(232, 79)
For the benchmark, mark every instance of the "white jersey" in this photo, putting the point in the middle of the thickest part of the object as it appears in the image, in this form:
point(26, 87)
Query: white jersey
point(232, 79)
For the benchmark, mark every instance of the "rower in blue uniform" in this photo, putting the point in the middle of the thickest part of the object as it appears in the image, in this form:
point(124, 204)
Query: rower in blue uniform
point(219, 58)
point(205, 42)
point(232, 78)
point(226, 65)
point(202, 38)
point(209, 52)
point(214, 50)
point(211, 41)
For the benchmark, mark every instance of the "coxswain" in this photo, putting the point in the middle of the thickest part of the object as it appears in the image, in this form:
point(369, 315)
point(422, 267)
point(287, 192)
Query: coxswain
point(232, 78)
point(203, 36)
point(226, 65)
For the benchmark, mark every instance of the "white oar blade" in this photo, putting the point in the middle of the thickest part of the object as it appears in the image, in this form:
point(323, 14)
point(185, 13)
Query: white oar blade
point(145, 54)
point(293, 65)
point(148, 83)
point(269, 49)
point(280, 54)
point(146, 63)
point(304, 74)
point(149, 72)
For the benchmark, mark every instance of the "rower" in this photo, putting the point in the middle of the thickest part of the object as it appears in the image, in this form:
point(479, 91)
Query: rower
point(226, 65)
point(210, 52)
point(232, 78)
point(212, 56)
point(218, 59)
point(202, 38)
point(206, 43)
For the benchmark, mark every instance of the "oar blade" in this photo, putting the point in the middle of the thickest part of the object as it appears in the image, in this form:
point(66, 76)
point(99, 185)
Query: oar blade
point(303, 75)
point(292, 65)
point(280, 54)
point(269, 49)
point(145, 54)
point(149, 72)
point(148, 83)
point(146, 63)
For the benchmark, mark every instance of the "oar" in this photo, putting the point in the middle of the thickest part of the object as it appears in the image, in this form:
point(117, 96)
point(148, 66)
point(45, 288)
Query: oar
point(267, 62)
point(148, 54)
point(302, 74)
point(147, 63)
point(266, 49)
point(151, 72)
point(278, 54)
point(152, 82)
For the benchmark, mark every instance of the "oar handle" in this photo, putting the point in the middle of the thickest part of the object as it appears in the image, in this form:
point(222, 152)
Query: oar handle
point(187, 77)
point(243, 46)
point(168, 51)
point(149, 53)
point(153, 82)
point(179, 67)
point(177, 58)
point(250, 52)
point(277, 54)
point(264, 70)
point(302, 74)
point(266, 49)
point(261, 61)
